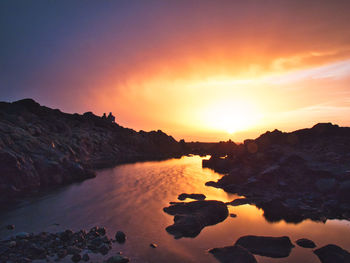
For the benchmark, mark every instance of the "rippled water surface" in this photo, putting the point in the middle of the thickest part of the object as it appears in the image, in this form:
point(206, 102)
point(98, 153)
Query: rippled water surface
point(131, 198)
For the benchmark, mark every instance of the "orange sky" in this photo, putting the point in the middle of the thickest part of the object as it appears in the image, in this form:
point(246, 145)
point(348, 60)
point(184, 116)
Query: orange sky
point(205, 72)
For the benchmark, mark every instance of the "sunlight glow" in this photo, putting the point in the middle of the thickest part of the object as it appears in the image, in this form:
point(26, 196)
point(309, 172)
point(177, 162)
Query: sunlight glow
point(232, 116)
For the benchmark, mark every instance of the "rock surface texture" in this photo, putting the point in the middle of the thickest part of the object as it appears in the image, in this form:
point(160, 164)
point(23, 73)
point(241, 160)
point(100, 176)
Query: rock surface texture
point(190, 218)
point(291, 176)
point(42, 147)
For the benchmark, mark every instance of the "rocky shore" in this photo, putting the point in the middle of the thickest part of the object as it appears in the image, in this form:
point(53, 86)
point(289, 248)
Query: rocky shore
point(42, 147)
point(291, 176)
point(62, 246)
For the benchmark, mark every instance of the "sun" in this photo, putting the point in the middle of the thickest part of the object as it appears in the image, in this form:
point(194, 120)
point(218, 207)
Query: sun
point(232, 116)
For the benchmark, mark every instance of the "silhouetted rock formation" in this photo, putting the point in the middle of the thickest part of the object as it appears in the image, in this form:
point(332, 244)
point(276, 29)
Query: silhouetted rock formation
point(233, 254)
point(190, 218)
point(42, 147)
point(332, 253)
point(292, 176)
point(274, 247)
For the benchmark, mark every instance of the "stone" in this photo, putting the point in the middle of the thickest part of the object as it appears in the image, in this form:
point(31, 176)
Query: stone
point(191, 196)
point(326, 185)
point(120, 237)
point(233, 254)
point(10, 227)
point(332, 253)
point(117, 259)
point(275, 247)
point(153, 245)
point(306, 243)
point(86, 257)
point(76, 258)
point(190, 218)
point(22, 235)
point(233, 215)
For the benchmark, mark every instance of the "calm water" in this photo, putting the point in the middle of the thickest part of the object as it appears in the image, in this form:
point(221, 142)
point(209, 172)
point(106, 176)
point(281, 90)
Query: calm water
point(131, 198)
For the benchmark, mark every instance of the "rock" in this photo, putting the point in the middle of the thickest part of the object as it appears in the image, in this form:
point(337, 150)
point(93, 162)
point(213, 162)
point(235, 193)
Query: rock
point(326, 185)
point(240, 201)
point(72, 250)
point(120, 237)
point(233, 254)
point(332, 253)
point(198, 197)
point(190, 218)
point(233, 215)
point(344, 191)
point(10, 227)
point(117, 259)
point(22, 235)
point(76, 258)
point(275, 247)
point(103, 249)
point(153, 245)
point(86, 257)
point(306, 243)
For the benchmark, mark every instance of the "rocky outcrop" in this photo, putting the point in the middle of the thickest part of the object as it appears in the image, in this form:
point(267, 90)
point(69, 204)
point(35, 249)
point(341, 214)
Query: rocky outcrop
point(306, 243)
point(275, 247)
point(332, 253)
point(291, 176)
point(190, 218)
point(42, 147)
point(233, 254)
point(191, 196)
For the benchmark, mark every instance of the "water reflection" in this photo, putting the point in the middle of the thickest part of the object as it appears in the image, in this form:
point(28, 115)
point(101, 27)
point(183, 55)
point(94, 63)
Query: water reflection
point(131, 198)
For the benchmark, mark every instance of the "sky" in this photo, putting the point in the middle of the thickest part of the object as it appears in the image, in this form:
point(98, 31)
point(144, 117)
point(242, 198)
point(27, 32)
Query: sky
point(198, 70)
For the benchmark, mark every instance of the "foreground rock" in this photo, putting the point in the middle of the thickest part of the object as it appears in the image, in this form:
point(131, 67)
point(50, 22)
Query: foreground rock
point(291, 176)
point(43, 147)
point(117, 259)
point(332, 253)
point(198, 197)
point(275, 247)
point(233, 254)
point(190, 218)
point(26, 247)
point(306, 243)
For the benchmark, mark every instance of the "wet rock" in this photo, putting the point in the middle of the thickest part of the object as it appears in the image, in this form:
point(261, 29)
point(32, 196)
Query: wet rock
point(198, 197)
point(233, 215)
point(22, 235)
point(332, 253)
point(306, 243)
point(120, 237)
point(117, 259)
point(103, 249)
point(275, 247)
point(86, 257)
point(240, 201)
point(10, 227)
point(233, 254)
point(190, 218)
point(76, 258)
point(153, 245)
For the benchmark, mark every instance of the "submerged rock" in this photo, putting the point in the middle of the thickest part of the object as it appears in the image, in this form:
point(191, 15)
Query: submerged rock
point(117, 259)
point(198, 197)
point(332, 253)
point(120, 237)
point(190, 218)
point(275, 247)
point(233, 254)
point(306, 243)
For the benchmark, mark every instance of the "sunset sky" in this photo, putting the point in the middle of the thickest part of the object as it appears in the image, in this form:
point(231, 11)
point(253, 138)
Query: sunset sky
point(198, 70)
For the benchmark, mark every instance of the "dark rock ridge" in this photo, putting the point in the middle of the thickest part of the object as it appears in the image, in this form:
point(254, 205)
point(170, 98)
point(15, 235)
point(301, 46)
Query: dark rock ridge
point(42, 147)
point(233, 254)
point(190, 218)
point(275, 247)
point(306, 243)
point(291, 176)
point(191, 196)
point(332, 253)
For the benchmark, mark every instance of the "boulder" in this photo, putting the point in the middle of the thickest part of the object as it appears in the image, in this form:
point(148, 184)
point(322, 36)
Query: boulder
point(190, 218)
point(117, 259)
point(198, 197)
point(306, 243)
point(275, 247)
point(332, 253)
point(233, 254)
